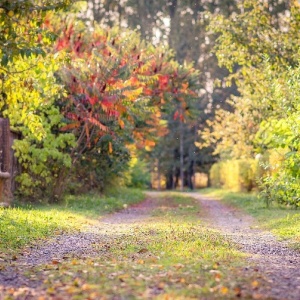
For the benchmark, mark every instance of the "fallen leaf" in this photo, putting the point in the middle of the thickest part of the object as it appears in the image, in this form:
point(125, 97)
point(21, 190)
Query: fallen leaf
point(50, 291)
point(144, 250)
point(85, 287)
point(178, 266)
point(161, 285)
point(74, 262)
point(254, 284)
point(224, 290)
point(76, 282)
point(238, 291)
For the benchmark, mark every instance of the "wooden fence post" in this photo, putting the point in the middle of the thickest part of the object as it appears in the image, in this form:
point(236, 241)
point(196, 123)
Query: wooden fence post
point(5, 163)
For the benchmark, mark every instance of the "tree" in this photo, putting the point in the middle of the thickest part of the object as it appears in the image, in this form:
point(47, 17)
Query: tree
point(115, 99)
point(22, 37)
point(182, 26)
point(258, 46)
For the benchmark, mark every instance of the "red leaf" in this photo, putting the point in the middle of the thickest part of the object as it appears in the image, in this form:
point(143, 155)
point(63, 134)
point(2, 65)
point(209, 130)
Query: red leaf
point(163, 81)
point(176, 115)
point(93, 100)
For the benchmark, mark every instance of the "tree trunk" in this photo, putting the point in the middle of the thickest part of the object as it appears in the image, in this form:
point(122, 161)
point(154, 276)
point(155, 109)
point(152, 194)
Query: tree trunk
point(181, 155)
point(158, 175)
point(60, 185)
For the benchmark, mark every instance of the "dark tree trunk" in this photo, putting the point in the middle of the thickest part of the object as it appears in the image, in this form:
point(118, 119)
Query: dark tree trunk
point(5, 162)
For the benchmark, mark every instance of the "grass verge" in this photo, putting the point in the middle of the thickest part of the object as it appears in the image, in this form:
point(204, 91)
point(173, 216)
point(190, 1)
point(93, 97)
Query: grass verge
point(24, 224)
point(169, 256)
point(281, 220)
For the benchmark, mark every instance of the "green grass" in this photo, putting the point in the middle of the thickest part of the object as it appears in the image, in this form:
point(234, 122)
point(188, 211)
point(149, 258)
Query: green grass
point(24, 224)
point(171, 256)
point(281, 220)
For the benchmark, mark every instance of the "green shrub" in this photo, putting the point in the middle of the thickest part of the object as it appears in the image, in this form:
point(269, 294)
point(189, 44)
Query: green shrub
point(281, 183)
point(235, 175)
point(139, 174)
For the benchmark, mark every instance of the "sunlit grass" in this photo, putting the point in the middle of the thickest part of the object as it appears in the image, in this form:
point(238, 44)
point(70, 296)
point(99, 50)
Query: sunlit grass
point(24, 224)
point(281, 220)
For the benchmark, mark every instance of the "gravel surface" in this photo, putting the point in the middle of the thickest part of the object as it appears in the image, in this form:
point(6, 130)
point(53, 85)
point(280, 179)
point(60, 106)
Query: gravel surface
point(278, 263)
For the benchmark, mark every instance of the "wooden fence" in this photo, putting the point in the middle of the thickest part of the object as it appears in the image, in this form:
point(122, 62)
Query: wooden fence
point(8, 163)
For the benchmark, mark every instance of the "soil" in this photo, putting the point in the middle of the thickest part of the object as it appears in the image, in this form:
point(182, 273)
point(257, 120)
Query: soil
point(278, 264)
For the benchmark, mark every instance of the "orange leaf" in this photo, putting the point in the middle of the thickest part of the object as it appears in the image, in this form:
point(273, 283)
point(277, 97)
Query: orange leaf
point(121, 123)
point(149, 143)
point(185, 86)
point(70, 126)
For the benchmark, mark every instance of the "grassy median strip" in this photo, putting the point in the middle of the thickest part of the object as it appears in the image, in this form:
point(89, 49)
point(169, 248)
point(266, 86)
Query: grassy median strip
point(24, 224)
point(281, 220)
point(168, 256)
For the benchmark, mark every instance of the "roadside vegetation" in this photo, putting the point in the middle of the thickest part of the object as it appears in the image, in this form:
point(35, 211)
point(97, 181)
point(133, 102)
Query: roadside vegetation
point(282, 220)
point(22, 225)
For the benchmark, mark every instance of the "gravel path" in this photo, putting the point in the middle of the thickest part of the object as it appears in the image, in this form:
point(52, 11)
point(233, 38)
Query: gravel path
point(279, 264)
point(272, 258)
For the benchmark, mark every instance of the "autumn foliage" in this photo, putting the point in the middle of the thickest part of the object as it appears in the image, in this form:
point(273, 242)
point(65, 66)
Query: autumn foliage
point(116, 88)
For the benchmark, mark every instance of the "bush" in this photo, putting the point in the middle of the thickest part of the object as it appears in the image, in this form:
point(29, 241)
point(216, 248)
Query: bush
point(281, 183)
point(235, 175)
point(139, 174)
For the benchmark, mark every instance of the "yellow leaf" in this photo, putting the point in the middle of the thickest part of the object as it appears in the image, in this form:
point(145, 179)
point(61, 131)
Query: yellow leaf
point(50, 290)
point(254, 284)
point(110, 148)
point(216, 265)
point(224, 290)
point(133, 94)
point(74, 262)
